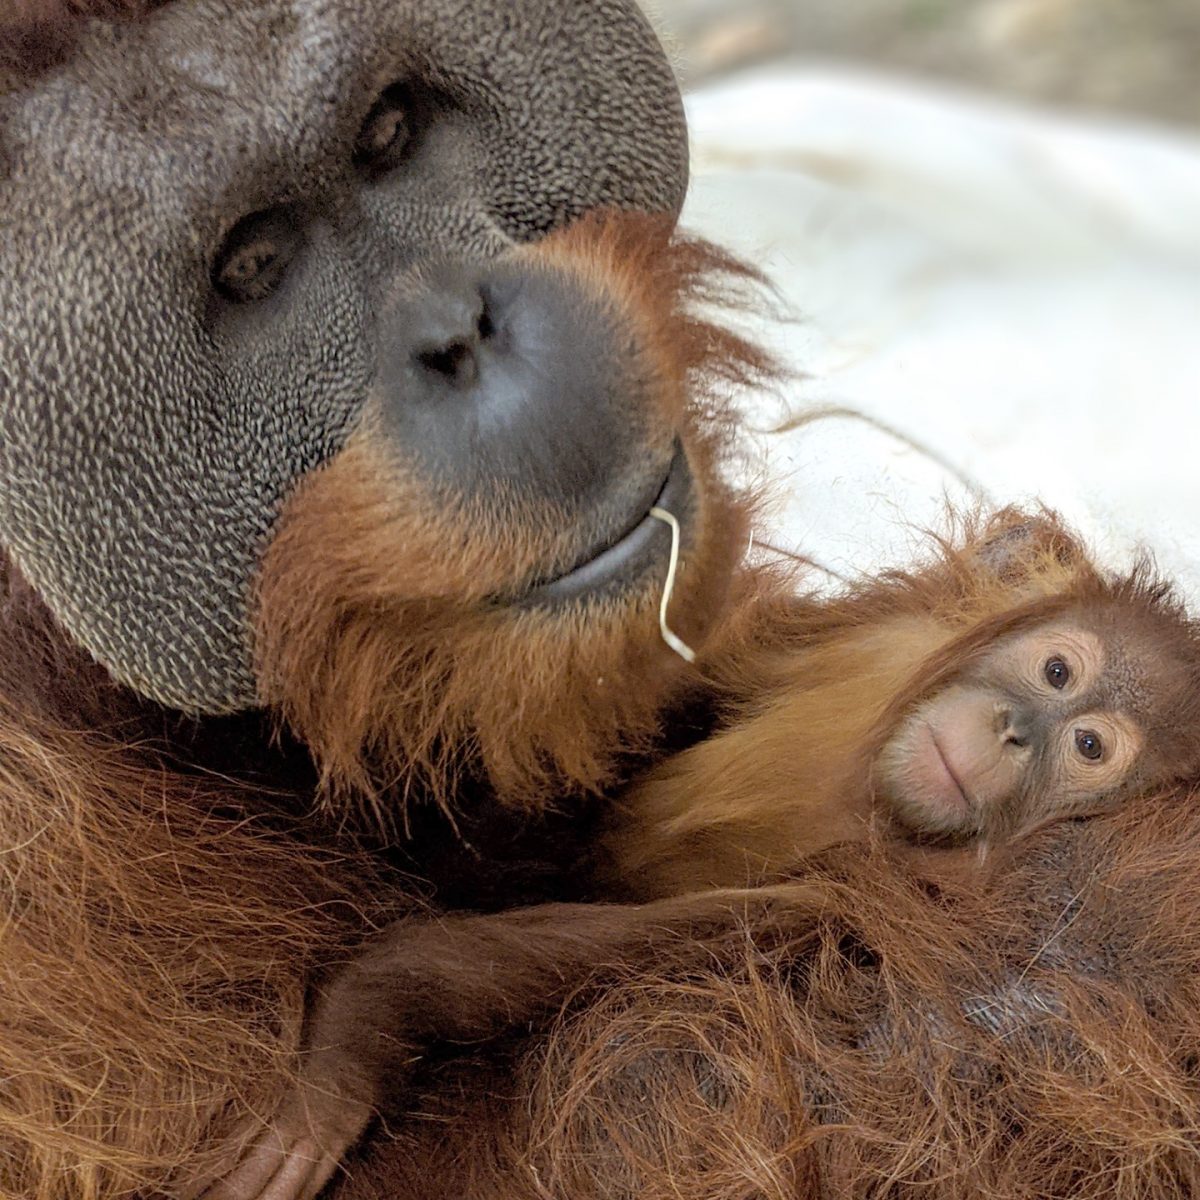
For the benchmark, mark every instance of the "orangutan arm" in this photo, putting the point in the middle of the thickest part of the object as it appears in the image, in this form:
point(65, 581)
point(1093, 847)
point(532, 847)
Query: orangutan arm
point(462, 979)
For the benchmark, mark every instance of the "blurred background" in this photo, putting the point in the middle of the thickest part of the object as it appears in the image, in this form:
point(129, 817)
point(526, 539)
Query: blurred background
point(1123, 56)
point(983, 220)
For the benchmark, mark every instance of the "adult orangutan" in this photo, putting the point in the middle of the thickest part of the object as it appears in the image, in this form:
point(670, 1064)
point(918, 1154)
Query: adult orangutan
point(325, 491)
point(325, 494)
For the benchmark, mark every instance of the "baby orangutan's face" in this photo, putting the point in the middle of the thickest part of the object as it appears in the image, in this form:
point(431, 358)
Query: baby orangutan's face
point(1045, 724)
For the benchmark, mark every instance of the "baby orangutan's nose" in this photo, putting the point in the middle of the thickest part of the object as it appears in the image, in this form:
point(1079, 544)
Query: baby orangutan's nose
point(1012, 725)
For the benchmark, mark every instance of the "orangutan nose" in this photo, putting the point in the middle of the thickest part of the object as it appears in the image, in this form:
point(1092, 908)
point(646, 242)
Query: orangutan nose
point(502, 377)
point(1012, 725)
point(455, 331)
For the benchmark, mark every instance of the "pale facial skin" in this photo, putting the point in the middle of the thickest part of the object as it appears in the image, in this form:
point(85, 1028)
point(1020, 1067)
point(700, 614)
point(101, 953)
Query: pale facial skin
point(1032, 730)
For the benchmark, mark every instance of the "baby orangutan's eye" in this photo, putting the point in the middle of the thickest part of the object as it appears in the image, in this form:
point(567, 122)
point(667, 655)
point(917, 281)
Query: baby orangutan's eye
point(1057, 673)
point(1089, 745)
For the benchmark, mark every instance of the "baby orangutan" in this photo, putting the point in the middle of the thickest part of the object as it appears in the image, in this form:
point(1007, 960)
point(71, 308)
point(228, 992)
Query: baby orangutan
point(1007, 684)
point(1045, 723)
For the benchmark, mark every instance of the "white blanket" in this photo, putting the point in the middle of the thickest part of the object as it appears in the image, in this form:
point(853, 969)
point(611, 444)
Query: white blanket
point(1016, 293)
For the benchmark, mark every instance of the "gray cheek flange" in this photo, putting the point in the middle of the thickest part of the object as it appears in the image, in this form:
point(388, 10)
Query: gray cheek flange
point(145, 451)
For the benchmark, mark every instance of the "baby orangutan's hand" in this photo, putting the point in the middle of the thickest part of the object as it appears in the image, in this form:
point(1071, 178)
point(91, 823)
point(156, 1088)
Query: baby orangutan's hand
point(458, 980)
point(299, 1150)
point(318, 1120)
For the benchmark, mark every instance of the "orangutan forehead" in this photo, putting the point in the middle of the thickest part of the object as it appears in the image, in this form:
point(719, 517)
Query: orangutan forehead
point(1151, 657)
point(1121, 658)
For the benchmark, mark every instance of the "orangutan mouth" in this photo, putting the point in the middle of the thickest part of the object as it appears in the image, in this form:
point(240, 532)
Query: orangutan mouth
point(644, 543)
point(951, 774)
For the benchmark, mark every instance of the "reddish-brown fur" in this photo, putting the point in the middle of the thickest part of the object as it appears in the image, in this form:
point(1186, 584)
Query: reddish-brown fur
point(162, 921)
point(1033, 1034)
point(156, 936)
point(792, 773)
point(391, 678)
point(892, 1022)
point(166, 908)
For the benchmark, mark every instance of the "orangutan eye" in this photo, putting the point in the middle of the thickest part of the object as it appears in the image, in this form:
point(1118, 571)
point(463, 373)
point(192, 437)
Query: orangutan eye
point(1057, 673)
point(256, 255)
point(387, 133)
point(1089, 745)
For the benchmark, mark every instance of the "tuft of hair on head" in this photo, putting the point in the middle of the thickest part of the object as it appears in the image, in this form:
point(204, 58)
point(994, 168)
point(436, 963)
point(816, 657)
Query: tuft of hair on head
point(36, 35)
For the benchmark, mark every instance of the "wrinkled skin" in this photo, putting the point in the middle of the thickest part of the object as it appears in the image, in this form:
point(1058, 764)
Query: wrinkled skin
point(1049, 722)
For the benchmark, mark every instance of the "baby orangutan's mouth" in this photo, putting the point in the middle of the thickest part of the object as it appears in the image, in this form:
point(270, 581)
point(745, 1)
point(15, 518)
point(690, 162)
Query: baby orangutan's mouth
point(963, 800)
point(644, 542)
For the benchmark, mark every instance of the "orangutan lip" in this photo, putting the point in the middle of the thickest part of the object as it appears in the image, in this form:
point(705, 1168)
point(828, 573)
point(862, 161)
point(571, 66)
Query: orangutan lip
point(962, 791)
point(624, 559)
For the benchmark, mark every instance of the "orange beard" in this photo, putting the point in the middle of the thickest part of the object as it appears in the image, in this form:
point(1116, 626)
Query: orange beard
point(388, 635)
